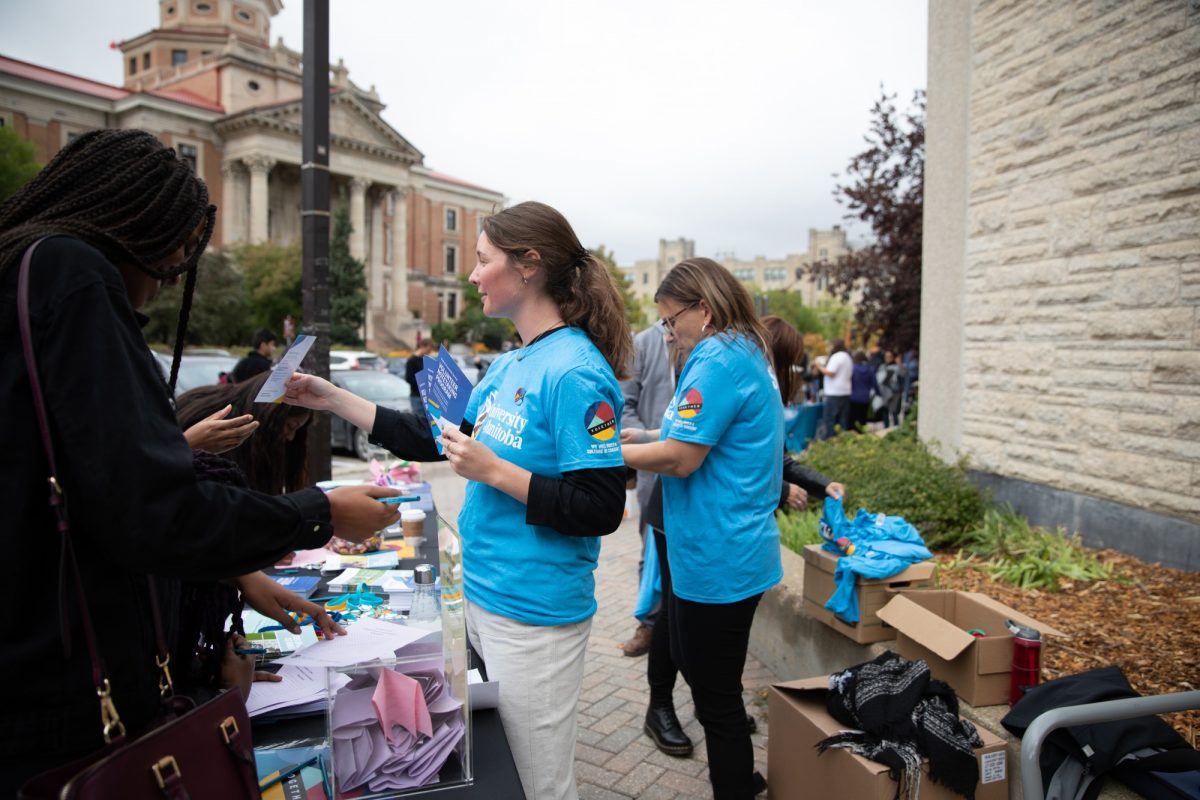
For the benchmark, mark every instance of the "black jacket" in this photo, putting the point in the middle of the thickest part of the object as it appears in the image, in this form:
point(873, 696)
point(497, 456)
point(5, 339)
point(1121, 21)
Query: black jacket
point(254, 363)
point(135, 504)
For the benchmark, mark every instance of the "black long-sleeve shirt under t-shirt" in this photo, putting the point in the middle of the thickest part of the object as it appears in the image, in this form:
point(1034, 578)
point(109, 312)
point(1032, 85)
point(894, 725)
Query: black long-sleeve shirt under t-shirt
point(583, 502)
point(135, 505)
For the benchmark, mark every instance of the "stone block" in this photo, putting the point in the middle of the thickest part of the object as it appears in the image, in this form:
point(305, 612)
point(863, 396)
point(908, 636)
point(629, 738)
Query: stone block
point(1176, 367)
point(1148, 286)
point(1147, 424)
point(1141, 325)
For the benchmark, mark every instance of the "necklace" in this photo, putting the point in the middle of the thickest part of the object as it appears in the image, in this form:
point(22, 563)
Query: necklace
point(546, 333)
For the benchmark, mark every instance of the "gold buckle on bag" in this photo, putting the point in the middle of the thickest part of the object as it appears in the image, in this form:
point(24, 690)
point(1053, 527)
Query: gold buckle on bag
point(226, 724)
point(166, 686)
point(108, 713)
point(163, 764)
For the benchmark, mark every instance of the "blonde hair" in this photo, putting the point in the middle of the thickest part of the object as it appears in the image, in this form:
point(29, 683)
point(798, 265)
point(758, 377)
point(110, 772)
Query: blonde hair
point(696, 280)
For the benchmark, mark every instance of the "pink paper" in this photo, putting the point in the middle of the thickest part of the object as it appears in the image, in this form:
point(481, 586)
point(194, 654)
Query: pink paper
point(398, 700)
point(304, 557)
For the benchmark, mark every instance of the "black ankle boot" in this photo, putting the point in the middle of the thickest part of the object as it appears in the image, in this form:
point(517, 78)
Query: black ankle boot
point(663, 727)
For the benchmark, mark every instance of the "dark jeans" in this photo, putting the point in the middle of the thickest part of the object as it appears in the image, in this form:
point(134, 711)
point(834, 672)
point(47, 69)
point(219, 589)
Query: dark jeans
point(860, 414)
point(708, 642)
point(836, 413)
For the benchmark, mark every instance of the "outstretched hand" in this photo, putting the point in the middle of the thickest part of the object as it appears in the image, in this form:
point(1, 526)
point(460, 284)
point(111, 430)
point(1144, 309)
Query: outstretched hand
point(309, 391)
point(216, 434)
point(357, 514)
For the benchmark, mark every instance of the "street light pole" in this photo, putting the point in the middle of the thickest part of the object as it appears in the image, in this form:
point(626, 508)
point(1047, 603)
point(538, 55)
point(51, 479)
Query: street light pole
point(314, 217)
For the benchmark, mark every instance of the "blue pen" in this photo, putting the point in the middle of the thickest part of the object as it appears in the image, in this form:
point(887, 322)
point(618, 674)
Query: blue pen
point(250, 651)
point(404, 498)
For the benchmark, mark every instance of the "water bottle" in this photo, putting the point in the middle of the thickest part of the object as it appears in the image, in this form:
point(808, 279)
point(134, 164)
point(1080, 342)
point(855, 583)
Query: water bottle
point(424, 602)
point(1027, 660)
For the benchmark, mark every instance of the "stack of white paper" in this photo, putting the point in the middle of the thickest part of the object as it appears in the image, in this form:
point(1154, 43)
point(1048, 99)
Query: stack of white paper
point(302, 691)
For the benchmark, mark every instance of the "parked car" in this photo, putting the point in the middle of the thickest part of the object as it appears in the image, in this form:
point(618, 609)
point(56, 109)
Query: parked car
point(381, 388)
point(196, 370)
point(356, 359)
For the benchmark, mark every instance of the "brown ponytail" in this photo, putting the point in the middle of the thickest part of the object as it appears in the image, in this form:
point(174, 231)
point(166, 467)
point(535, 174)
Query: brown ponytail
point(578, 283)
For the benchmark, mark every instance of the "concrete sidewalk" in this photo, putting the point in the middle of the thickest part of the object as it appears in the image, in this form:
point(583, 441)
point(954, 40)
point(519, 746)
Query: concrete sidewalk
point(613, 757)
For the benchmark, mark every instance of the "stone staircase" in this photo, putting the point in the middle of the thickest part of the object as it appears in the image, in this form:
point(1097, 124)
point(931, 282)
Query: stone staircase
point(793, 644)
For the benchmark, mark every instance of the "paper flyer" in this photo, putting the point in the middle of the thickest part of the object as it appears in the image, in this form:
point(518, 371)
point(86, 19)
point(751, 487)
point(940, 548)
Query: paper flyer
point(273, 390)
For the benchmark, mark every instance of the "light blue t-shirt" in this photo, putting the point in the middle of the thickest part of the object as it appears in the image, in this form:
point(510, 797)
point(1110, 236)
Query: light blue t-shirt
point(551, 407)
point(722, 540)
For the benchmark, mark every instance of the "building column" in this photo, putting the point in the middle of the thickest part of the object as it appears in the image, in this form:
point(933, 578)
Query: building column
point(400, 314)
point(233, 203)
point(260, 168)
point(358, 217)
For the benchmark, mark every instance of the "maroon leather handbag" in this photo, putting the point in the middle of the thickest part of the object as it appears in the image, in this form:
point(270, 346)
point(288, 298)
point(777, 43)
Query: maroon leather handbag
point(192, 752)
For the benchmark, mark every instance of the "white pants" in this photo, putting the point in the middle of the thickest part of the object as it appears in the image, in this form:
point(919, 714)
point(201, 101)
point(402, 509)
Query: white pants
point(540, 670)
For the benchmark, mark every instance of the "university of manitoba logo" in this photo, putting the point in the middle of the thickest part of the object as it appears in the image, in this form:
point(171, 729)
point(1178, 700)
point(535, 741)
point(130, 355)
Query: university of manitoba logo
point(519, 396)
point(600, 421)
point(692, 403)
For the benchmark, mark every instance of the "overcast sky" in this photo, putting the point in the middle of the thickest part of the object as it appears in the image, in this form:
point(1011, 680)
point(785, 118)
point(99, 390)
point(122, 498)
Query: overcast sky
point(639, 119)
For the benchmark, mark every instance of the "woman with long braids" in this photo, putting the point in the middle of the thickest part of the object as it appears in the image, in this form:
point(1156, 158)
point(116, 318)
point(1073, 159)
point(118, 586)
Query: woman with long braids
point(720, 454)
point(540, 449)
point(116, 214)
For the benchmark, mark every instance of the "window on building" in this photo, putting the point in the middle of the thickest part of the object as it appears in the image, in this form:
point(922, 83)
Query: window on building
point(744, 274)
point(252, 86)
point(390, 203)
point(178, 57)
point(188, 155)
point(245, 16)
point(170, 11)
point(451, 259)
point(145, 61)
point(205, 53)
point(451, 219)
point(824, 254)
point(203, 8)
point(645, 278)
point(451, 305)
point(479, 218)
point(133, 65)
point(72, 136)
point(387, 245)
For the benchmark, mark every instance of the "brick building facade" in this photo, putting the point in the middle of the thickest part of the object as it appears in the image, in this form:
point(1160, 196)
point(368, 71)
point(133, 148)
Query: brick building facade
point(208, 82)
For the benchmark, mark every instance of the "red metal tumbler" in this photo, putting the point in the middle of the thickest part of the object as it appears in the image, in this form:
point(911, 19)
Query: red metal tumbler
point(1027, 660)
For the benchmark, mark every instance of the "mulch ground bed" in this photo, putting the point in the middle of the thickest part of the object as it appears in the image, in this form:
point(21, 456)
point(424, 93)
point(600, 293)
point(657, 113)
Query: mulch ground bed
point(1147, 622)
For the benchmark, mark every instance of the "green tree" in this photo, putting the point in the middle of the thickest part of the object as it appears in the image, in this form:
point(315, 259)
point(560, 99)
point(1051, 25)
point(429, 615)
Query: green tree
point(274, 281)
point(17, 162)
point(347, 285)
point(633, 309)
point(790, 306)
point(886, 190)
point(220, 307)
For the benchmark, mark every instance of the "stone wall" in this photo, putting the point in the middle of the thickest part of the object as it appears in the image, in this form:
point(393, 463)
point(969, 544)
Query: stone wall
point(1077, 266)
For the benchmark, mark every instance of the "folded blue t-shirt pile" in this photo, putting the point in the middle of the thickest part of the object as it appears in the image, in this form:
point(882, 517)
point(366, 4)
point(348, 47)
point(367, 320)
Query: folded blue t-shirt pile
point(883, 546)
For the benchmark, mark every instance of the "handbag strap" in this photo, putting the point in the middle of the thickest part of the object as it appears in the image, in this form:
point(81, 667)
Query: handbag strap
point(68, 565)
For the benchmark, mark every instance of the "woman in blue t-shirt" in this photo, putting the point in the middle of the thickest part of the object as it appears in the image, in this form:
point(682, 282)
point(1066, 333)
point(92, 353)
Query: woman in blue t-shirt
point(720, 452)
point(540, 448)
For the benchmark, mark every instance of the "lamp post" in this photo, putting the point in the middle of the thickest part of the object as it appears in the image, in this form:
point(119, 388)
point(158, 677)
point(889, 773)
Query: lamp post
point(314, 216)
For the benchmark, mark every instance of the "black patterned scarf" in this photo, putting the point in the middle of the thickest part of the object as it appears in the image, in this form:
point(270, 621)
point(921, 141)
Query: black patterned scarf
point(900, 714)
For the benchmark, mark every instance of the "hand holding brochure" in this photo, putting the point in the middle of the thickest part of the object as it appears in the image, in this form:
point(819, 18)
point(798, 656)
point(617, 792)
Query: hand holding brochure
point(273, 390)
point(447, 392)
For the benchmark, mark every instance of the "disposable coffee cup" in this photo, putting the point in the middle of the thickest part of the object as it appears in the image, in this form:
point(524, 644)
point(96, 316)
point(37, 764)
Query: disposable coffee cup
point(412, 521)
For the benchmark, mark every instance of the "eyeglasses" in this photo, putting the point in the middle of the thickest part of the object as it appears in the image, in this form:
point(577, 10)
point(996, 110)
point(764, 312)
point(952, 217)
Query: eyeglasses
point(668, 323)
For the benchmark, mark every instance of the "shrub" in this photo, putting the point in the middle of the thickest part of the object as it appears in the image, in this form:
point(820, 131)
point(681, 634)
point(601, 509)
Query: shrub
point(898, 475)
point(799, 528)
point(1030, 557)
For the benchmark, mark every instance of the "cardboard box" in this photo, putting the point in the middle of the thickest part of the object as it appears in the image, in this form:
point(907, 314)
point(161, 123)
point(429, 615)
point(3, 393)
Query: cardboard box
point(795, 771)
point(819, 566)
point(933, 626)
